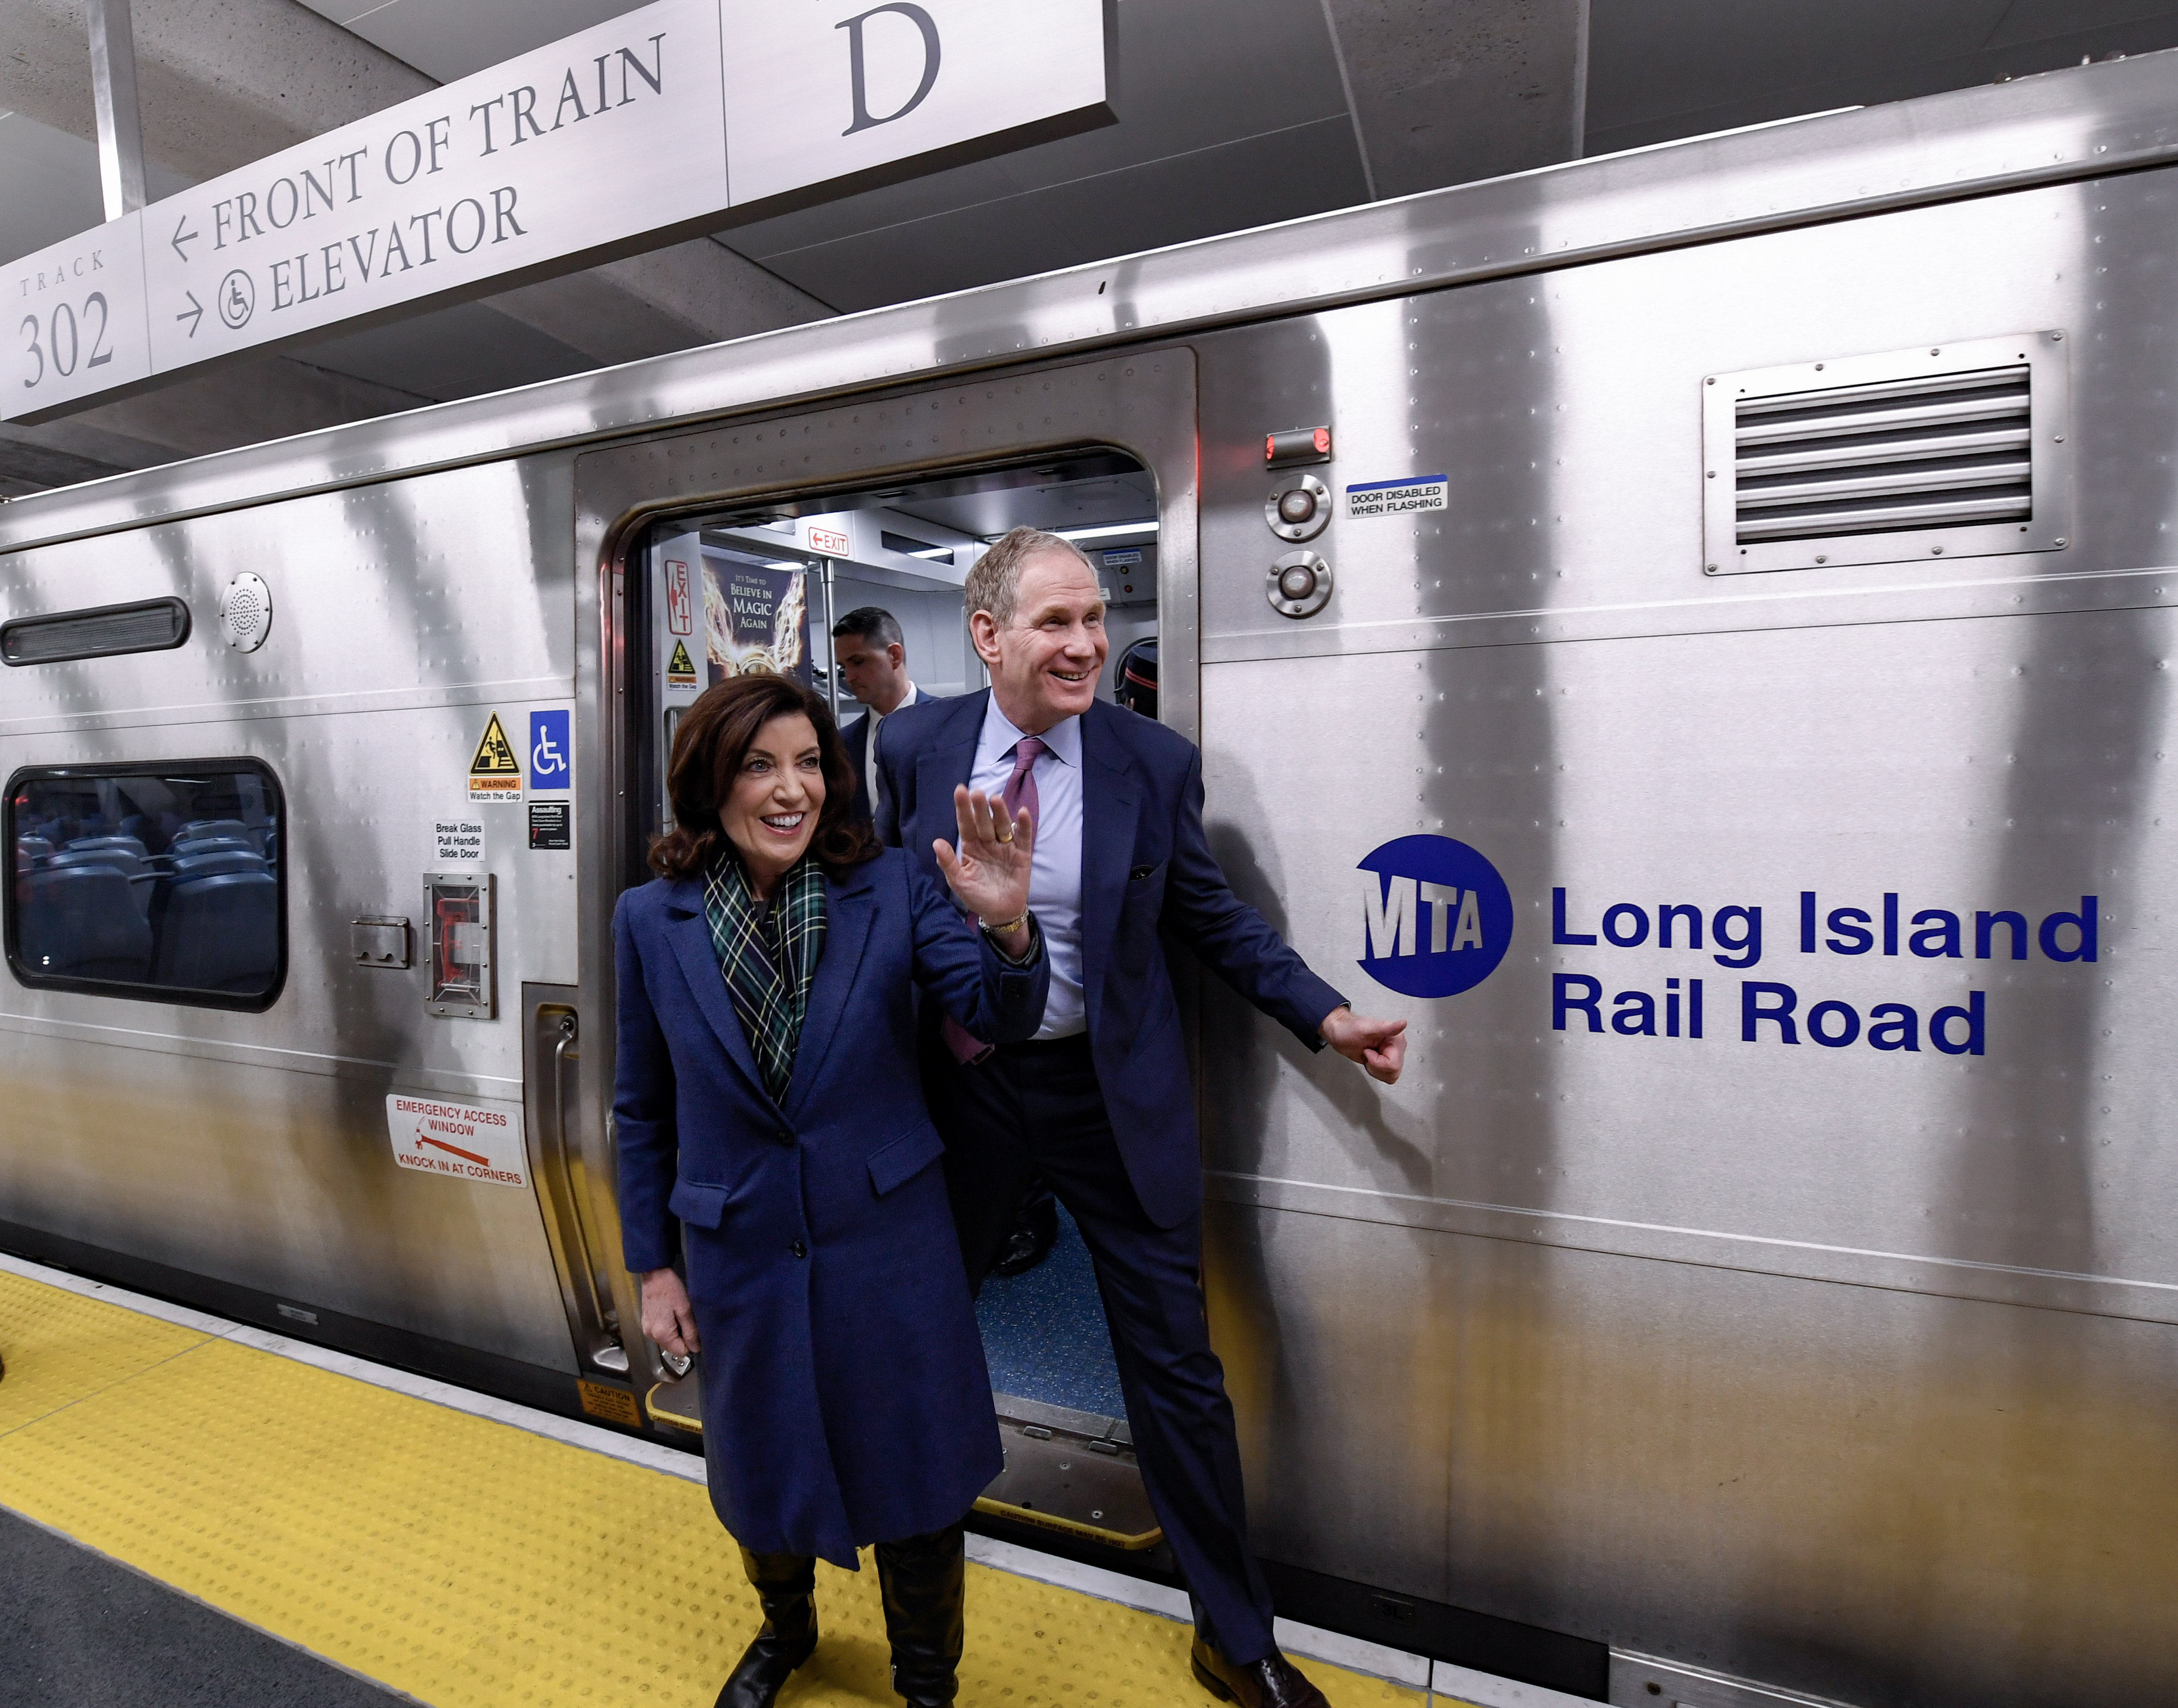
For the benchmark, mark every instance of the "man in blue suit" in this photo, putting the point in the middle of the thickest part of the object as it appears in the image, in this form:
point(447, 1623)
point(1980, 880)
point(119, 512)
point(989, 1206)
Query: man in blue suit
point(1099, 1102)
point(871, 655)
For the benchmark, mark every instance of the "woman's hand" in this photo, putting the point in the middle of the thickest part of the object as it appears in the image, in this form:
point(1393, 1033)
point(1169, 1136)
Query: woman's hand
point(990, 873)
point(668, 1318)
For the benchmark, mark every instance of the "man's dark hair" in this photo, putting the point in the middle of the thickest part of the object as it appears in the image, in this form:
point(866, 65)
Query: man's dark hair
point(871, 622)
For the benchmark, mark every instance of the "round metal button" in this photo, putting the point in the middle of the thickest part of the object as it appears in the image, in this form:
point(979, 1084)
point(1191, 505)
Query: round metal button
point(1299, 584)
point(1299, 507)
point(798, 1249)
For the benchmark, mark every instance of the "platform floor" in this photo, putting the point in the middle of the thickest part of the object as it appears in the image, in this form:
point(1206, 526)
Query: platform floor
point(394, 1533)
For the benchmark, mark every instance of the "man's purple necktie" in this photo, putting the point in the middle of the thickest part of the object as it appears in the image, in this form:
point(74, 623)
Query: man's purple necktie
point(1020, 788)
point(1020, 791)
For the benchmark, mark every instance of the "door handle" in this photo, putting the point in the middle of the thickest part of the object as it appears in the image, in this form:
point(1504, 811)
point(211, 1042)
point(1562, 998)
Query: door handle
point(614, 1354)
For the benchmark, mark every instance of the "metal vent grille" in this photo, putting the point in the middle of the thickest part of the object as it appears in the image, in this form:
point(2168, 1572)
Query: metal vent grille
point(1862, 459)
point(153, 626)
point(1920, 453)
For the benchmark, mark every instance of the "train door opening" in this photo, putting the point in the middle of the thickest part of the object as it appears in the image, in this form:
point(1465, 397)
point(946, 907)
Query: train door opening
point(762, 587)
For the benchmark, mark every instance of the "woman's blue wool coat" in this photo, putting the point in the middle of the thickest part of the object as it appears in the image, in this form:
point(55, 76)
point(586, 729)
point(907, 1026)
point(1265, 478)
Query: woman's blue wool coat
point(846, 1398)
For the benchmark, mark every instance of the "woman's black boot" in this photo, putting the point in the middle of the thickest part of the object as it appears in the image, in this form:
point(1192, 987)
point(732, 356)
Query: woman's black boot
point(787, 1586)
point(924, 1579)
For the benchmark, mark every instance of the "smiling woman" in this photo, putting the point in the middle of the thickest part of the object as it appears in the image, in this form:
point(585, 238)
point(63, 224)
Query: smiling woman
point(752, 747)
point(775, 1151)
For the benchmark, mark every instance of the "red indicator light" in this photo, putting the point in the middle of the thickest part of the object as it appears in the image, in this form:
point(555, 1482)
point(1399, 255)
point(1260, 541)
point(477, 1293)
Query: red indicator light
point(1297, 445)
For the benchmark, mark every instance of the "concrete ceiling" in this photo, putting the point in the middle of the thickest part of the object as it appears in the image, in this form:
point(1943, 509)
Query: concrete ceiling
point(1664, 69)
point(1234, 113)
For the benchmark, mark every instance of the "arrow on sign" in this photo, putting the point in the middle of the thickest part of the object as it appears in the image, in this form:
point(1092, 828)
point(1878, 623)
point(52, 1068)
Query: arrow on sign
point(180, 237)
point(194, 312)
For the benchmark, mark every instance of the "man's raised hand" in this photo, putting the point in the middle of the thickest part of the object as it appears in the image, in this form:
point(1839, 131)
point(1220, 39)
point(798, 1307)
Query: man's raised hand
point(990, 873)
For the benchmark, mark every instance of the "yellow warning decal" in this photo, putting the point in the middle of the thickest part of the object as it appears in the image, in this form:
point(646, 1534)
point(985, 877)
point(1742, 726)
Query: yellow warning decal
point(496, 772)
point(495, 754)
point(681, 668)
point(614, 1404)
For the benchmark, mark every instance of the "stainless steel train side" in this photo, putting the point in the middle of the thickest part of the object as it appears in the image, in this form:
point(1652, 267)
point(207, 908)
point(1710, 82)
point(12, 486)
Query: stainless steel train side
point(1739, 1347)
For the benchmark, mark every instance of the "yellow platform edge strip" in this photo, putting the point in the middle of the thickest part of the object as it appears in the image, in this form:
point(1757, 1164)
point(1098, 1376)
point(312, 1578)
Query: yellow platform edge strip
point(468, 1563)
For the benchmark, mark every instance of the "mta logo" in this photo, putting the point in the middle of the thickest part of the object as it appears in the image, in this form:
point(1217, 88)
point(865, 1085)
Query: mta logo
point(1435, 917)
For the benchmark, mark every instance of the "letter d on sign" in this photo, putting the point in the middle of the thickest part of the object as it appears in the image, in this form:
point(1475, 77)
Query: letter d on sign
point(856, 62)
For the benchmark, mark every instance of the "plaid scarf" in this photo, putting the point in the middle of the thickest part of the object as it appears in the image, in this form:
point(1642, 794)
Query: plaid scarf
point(769, 955)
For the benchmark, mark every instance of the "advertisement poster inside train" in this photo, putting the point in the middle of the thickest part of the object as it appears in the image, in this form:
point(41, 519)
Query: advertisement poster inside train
point(755, 618)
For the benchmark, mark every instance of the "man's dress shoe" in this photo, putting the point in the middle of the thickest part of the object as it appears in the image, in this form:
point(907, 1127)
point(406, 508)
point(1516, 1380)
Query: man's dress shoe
point(1035, 1231)
point(1272, 1682)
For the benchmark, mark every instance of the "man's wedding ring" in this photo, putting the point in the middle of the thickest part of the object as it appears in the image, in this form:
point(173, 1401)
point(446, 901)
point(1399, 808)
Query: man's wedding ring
point(1008, 836)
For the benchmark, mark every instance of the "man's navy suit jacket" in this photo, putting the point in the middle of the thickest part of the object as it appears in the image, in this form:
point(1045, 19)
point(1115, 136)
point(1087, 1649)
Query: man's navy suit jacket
point(1146, 867)
point(856, 736)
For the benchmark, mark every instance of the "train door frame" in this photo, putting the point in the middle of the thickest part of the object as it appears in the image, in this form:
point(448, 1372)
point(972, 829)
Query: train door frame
point(1142, 402)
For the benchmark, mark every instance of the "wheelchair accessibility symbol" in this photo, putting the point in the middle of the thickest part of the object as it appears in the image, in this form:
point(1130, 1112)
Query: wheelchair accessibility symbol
point(237, 299)
point(551, 751)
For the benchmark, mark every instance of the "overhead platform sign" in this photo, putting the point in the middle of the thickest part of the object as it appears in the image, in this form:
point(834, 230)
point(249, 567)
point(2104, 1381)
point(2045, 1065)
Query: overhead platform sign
point(678, 118)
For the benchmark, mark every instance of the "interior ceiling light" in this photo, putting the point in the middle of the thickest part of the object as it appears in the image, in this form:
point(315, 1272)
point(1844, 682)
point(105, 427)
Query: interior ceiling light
point(1112, 531)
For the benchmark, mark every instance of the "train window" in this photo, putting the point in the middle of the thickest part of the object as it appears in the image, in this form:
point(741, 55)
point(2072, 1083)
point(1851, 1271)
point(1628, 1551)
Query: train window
point(161, 882)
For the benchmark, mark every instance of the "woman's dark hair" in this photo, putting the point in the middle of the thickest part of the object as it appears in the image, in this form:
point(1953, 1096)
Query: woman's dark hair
point(707, 750)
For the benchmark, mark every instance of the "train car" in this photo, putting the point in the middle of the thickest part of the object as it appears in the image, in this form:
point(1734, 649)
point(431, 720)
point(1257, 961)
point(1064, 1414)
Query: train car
point(1690, 630)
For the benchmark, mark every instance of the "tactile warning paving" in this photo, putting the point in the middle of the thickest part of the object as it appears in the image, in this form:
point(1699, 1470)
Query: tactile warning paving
point(59, 1348)
point(468, 1563)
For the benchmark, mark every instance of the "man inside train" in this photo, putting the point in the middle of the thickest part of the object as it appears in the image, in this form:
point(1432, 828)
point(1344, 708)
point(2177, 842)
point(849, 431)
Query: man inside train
point(1099, 1102)
point(871, 655)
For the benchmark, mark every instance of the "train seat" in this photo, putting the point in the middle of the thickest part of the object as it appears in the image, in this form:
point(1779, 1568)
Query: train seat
point(199, 829)
point(208, 847)
point(119, 859)
point(199, 861)
point(124, 845)
point(142, 875)
point(221, 931)
point(148, 827)
point(82, 922)
point(30, 849)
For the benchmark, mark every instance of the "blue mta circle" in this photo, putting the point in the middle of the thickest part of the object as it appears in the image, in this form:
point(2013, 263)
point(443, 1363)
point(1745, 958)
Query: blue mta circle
point(1435, 917)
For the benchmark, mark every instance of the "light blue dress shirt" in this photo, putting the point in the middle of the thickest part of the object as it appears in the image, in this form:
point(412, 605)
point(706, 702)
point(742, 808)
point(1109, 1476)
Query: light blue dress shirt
point(1054, 873)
